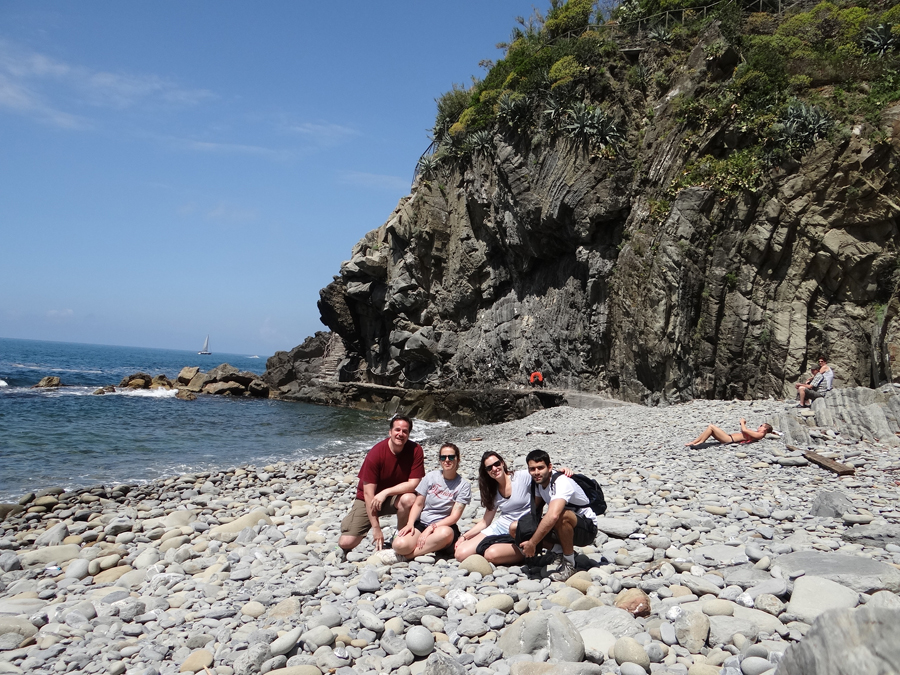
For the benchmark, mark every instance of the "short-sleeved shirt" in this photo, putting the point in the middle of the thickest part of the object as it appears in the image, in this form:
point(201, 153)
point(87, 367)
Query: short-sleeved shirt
point(566, 488)
point(829, 380)
point(385, 469)
point(441, 494)
point(816, 382)
point(510, 509)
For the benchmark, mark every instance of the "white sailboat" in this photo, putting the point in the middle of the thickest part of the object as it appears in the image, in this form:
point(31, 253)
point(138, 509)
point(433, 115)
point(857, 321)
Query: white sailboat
point(205, 350)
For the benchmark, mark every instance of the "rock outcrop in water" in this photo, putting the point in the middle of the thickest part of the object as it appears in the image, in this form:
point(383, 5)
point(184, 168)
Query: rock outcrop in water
point(594, 269)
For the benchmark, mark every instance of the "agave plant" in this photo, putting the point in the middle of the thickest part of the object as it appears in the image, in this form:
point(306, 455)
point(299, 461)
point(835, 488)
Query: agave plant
point(589, 126)
point(513, 111)
point(660, 34)
point(802, 125)
point(879, 40)
point(553, 113)
point(481, 142)
point(428, 166)
point(440, 131)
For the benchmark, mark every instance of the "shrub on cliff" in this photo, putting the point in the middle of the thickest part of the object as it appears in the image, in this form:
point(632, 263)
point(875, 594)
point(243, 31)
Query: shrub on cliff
point(568, 18)
point(450, 105)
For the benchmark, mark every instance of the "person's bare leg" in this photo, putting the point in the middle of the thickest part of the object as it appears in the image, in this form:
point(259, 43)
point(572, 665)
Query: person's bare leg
point(348, 542)
point(436, 541)
point(503, 554)
point(406, 545)
point(565, 531)
point(467, 547)
point(404, 504)
point(711, 430)
point(803, 396)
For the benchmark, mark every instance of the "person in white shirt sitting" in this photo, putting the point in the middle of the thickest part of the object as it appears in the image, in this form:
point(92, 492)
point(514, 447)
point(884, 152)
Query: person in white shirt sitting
point(823, 382)
point(569, 521)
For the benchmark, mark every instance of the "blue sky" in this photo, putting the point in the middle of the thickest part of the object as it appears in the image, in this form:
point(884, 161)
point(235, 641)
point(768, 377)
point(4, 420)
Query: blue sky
point(172, 169)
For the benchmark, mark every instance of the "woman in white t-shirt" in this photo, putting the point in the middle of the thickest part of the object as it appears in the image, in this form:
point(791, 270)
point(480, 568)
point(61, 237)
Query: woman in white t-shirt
point(441, 497)
point(506, 497)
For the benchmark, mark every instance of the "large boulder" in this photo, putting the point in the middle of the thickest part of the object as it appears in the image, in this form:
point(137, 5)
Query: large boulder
point(258, 389)
point(542, 630)
point(831, 504)
point(49, 554)
point(187, 374)
point(855, 572)
point(137, 381)
point(814, 595)
point(873, 534)
point(197, 382)
point(160, 382)
point(7, 510)
point(863, 641)
point(616, 621)
point(224, 388)
point(48, 382)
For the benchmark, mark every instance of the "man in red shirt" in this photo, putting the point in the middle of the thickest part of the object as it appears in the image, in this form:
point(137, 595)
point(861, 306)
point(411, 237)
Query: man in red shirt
point(387, 481)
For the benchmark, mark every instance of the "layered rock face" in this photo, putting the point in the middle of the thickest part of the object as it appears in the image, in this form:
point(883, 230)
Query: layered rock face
point(541, 256)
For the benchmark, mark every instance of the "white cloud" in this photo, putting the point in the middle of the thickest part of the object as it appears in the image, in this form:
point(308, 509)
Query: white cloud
point(18, 98)
point(41, 86)
point(376, 181)
point(324, 134)
point(230, 148)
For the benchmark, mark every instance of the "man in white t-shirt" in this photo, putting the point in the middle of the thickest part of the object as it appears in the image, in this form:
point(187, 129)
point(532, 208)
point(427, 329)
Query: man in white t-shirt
point(569, 520)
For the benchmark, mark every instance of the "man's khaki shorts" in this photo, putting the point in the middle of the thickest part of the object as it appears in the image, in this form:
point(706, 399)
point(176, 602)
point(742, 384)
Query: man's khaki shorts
point(356, 523)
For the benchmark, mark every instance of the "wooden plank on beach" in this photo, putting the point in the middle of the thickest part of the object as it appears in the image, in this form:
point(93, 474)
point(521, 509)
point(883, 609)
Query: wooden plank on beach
point(830, 464)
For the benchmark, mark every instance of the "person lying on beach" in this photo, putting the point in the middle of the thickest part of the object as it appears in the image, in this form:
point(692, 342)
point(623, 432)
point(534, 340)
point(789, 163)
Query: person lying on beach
point(569, 522)
point(442, 497)
point(388, 477)
point(506, 497)
point(745, 435)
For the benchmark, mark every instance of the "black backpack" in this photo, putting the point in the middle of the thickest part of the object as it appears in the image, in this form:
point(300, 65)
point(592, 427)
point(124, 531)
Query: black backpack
point(591, 488)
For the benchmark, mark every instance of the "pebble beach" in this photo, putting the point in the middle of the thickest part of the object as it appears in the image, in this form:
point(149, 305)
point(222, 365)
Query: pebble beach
point(719, 559)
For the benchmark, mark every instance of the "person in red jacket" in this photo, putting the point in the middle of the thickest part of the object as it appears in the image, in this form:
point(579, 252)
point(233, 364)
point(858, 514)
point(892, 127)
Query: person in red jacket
point(387, 481)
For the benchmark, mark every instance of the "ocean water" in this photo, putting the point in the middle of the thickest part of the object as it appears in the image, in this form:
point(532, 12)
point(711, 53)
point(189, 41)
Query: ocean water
point(70, 438)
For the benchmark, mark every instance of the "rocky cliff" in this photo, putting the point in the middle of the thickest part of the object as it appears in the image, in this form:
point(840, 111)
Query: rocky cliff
point(611, 273)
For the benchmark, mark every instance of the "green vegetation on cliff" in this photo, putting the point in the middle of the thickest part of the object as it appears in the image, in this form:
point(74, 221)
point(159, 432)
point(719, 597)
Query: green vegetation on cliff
point(785, 78)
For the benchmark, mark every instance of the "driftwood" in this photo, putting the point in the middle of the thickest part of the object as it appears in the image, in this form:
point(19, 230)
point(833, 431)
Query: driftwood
point(825, 463)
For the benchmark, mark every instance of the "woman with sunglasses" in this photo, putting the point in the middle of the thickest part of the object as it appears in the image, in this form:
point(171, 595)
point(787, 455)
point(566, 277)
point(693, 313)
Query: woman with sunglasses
point(442, 496)
point(506, 497)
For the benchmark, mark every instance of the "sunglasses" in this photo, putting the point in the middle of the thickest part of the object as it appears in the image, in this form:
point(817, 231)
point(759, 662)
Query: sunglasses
point(448, 458)
point(491, 467)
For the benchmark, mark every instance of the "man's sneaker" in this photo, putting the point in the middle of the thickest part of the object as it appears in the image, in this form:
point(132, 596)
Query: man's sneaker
point(387, 556)
point(566, 570)
point(544, 560)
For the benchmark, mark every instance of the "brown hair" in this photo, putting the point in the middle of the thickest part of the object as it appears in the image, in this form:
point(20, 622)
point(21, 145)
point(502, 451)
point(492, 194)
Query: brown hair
point(452, 446)
point(487, 486)
point(768, 428)
point(401, 418)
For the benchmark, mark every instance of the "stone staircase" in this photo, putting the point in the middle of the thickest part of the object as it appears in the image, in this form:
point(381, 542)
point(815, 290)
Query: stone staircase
point(331, 360)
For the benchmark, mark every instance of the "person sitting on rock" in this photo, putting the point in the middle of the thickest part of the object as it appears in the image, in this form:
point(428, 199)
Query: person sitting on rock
point(388, 478)
point(442, 497)
point(745, 435)
point(569, 521)
point(823, 386)
point(505, 497)
point(811, 382)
